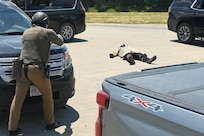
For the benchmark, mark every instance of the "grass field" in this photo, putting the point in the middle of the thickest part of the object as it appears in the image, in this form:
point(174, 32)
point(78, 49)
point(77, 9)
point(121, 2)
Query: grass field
point(127, 17)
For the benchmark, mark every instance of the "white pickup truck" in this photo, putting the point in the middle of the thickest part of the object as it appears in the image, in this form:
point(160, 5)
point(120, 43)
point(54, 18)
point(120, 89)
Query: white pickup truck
point(163, 101)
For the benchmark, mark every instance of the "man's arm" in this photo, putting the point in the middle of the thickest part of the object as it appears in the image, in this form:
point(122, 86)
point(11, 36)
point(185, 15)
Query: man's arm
point(55, 38)
point(113, 54)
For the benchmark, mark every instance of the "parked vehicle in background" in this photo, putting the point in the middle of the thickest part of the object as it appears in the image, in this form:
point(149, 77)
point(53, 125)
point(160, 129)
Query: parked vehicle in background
point(67, 17)
point(162, 101)
point(13, 22)
point(186, 18)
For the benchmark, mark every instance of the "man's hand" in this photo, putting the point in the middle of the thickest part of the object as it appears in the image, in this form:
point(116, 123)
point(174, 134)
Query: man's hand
point(60, 36)
point(111, 55)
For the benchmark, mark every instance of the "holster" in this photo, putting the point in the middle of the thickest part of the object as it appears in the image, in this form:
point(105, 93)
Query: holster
point(17, 67)
point(47, 71)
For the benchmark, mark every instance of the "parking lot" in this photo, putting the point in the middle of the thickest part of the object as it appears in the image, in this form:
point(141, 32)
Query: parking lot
point(90, 54)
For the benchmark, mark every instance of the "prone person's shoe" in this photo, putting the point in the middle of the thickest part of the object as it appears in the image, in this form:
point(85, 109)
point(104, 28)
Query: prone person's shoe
point(150, 60)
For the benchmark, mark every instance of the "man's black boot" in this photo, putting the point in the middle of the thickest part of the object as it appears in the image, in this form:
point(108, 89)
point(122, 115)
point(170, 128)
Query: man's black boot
point(16, 132)
point(53, 126)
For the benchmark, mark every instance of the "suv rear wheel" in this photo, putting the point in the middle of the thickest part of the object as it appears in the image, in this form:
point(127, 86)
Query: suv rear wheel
point(67, 31)
point(185, 33)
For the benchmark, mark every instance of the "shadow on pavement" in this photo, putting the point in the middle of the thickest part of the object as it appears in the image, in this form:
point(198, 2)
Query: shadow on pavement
point(77, 40)
point(32, 124)
point(198, 43)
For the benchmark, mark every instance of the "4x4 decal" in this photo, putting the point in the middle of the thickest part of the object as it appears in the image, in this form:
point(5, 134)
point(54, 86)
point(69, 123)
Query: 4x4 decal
point(145, 104)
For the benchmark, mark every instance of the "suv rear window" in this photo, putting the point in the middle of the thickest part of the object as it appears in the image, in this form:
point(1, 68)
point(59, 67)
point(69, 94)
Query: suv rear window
point(45, 4)
point(199, 4)
point(182, 3)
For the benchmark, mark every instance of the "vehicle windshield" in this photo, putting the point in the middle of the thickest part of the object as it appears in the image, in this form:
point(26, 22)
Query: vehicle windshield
point(13, 22)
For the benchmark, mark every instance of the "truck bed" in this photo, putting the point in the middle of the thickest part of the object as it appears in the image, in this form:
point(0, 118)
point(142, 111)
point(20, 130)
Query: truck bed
point(180, 85)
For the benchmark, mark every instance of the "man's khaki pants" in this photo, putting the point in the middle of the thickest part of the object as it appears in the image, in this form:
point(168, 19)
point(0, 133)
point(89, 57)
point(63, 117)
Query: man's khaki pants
point(38, 78)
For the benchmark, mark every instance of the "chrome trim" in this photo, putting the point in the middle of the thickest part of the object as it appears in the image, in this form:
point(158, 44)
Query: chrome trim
point(195, 8)
point(57, 62)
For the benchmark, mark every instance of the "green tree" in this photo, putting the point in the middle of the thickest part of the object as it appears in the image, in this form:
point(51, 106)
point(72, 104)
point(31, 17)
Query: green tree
point(128, 5)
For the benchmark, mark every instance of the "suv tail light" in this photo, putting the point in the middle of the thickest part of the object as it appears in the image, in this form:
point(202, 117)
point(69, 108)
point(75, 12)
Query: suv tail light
point(83, 9)
point(102, 99)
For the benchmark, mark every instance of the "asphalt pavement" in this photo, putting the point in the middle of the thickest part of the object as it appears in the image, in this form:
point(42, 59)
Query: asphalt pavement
point(90, 54)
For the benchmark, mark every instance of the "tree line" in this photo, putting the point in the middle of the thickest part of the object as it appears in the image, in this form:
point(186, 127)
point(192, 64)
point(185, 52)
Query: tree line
point(127, 5)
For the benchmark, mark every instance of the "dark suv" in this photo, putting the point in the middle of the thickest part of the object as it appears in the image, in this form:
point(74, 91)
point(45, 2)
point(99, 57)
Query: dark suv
point(13, 22)
point(186, 18)
point(67, 17)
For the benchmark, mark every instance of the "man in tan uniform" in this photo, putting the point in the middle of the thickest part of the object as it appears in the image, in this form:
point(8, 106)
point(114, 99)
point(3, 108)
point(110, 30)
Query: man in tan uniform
point(35, 55)
point(130, 54)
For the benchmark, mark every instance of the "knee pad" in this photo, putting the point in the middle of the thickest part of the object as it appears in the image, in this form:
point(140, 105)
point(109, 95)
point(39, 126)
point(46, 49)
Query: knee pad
point(130, 59)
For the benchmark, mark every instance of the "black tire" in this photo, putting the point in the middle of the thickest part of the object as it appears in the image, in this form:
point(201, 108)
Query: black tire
point(185, 33)
point(67, 31)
